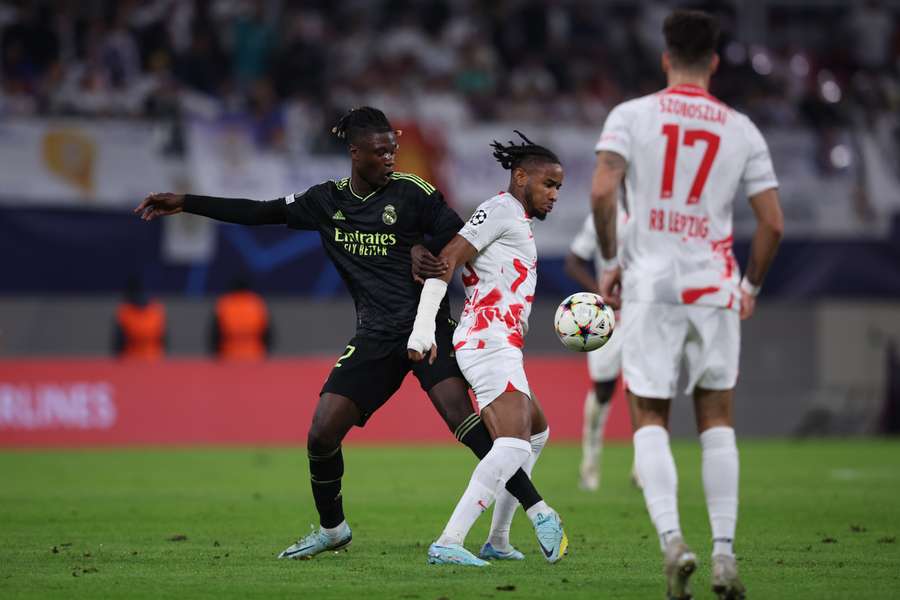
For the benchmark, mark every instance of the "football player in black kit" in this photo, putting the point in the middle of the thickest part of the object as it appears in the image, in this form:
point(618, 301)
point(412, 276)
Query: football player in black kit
point(375, 226)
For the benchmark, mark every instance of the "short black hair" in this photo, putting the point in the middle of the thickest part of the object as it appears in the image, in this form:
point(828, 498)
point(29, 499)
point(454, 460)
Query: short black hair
point(359, 122)
point(692, 37)
point(513, 155)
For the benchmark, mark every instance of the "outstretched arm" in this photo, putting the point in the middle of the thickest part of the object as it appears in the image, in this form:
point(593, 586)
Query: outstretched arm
point(458, 252)
point(608, 175)
point(230, 210)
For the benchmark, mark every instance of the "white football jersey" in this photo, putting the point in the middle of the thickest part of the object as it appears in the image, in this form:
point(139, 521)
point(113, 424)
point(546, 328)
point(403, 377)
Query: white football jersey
point(585, 245)
point(687, 153)
point(500, 280)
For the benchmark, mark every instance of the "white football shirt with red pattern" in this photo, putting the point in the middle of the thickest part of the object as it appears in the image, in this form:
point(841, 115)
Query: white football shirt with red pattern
point(500, 280)
point(687, 154)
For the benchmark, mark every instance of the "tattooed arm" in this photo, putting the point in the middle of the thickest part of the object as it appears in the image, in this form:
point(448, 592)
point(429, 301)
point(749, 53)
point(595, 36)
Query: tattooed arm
point(608, 175)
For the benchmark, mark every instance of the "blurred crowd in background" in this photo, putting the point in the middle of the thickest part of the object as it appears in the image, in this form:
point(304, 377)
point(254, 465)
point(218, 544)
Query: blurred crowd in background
point(103, 101)
point(293, 67)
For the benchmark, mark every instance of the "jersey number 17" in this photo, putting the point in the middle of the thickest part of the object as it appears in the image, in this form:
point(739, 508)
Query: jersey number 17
point(691, 137)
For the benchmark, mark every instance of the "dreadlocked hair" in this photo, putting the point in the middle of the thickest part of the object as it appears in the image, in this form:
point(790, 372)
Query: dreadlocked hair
point(513, 155)
point(361, 121)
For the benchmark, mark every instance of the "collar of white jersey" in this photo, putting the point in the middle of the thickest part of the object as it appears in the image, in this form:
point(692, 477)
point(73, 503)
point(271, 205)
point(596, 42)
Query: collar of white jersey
point(690, 89)
point(515, 201)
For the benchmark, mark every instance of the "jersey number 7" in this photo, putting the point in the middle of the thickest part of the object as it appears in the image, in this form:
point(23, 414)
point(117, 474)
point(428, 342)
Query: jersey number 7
point(691, 136)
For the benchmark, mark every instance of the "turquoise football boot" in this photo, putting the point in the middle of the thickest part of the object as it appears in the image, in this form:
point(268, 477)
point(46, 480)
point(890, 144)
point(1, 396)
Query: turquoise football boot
point(551, 537)
point(317, 542)
point(488, 552)
point(453, 554)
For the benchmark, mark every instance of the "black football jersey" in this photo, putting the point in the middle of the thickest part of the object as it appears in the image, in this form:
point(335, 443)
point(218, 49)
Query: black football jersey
point(369, 239)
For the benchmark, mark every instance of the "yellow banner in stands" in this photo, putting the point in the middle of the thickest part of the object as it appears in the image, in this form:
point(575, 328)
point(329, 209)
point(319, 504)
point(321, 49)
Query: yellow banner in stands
point(71, 156)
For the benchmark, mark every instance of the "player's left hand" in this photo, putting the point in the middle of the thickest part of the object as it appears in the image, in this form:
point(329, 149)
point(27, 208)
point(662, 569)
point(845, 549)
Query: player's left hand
point(748, 305)
point(611, 287)
point(426, 265)
point(160, 205)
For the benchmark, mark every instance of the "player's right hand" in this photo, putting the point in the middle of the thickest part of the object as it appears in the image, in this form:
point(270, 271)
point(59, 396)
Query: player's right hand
point(611, 287)
point(420, 343)
point(748, 305)
point(160, 205)
point(426, 265)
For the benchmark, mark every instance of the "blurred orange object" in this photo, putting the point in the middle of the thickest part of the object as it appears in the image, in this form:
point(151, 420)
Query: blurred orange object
point(242, 319)
point(143, 329)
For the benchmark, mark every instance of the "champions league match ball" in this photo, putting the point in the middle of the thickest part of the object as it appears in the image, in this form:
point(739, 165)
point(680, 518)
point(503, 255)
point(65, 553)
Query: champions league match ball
point(584, 322)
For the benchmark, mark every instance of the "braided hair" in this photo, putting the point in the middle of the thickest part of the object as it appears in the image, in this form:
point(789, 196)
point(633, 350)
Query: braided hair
point(513, 155)
point(361, 121)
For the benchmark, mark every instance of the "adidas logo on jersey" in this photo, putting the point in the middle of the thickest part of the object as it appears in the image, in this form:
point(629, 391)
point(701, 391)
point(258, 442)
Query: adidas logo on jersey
point(338, 216)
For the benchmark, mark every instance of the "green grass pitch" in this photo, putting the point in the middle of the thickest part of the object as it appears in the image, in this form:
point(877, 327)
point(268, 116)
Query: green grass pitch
point(817, 520)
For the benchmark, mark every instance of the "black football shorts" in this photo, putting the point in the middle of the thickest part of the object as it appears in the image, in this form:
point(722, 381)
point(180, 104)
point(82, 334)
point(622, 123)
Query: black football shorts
point(371, 369)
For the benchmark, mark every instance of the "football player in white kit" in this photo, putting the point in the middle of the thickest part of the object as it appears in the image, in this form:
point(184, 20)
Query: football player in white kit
point(604, 363)
point(498, 250)
point(683, 155)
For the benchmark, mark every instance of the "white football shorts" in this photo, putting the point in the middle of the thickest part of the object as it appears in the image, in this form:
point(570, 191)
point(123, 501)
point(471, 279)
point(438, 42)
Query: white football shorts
point(605, 362)
point(492, 371)
point(659, 336)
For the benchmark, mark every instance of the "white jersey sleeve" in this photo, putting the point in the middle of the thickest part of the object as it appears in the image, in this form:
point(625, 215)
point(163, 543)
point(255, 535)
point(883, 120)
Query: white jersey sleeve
point(486, 224)
point(617, 136)
point(759, 174)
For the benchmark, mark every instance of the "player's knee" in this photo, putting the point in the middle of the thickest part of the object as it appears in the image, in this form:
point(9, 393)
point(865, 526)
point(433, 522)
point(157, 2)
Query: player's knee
point(604, 390)
point(319, 440)
point(711, 419)
point(455, 417)
point(451, 400)
point(650, 411)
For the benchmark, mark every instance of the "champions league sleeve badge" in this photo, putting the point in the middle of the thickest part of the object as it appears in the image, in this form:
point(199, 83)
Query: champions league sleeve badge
point(478, 218)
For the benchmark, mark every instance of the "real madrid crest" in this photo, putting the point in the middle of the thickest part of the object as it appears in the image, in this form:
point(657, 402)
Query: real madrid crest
point(389, 216)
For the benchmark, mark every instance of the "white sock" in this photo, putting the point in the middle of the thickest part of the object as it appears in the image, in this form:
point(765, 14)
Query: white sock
point(720, 483)
point(602, 413)
point(541, 508)
point(656, 469)
point(506, 504)
point(589, 426)
point(335, 532)
point(592, 431)
point(507, 455)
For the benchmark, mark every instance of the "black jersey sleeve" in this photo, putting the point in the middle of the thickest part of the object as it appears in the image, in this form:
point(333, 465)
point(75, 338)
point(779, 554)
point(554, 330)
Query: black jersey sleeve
point(237, 210)
point(304, 210)
point(439, 221)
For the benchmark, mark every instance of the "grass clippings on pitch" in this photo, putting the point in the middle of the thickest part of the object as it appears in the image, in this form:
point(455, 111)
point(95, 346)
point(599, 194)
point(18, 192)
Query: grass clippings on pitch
point(817, 520)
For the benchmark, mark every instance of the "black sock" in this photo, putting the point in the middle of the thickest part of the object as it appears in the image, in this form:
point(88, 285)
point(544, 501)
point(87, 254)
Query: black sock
point(325, 472)
point(474, 434)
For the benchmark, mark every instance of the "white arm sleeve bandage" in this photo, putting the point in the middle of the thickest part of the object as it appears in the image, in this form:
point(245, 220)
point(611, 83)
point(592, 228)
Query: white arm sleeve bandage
point(422, 337)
